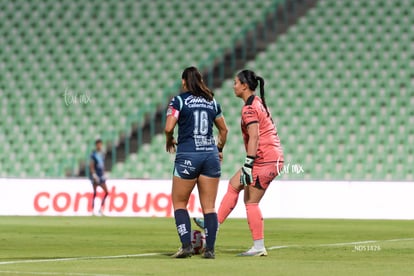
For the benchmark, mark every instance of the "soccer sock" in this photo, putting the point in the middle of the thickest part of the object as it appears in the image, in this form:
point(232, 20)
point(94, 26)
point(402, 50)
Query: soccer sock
point(258, 244)
point(182, 221)
point(227, 204)
point(210, 228)
point(255, 220)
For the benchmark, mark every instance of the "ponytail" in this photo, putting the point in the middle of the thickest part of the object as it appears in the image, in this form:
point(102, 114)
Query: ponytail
point(262, 96)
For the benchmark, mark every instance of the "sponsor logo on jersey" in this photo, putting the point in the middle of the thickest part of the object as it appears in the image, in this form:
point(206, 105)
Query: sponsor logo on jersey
point(195, 100)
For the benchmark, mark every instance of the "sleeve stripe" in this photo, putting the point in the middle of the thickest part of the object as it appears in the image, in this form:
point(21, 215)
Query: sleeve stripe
point(181, 102)
point(252, 122)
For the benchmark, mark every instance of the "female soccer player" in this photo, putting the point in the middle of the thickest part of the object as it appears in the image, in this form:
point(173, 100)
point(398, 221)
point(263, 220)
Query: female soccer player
point(264, 159)
point(198, 158)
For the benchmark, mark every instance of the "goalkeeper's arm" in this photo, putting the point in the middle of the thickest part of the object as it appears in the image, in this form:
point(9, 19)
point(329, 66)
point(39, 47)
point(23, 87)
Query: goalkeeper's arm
point(246, 175)
point(253, 143)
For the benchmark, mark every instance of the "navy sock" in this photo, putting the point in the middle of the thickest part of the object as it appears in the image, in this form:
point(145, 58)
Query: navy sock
point(182, 221)
point(210, 228)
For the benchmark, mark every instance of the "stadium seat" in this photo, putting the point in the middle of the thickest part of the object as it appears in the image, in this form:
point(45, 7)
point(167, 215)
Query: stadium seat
point(335, 85)
point(339, 82)
point(127, 56)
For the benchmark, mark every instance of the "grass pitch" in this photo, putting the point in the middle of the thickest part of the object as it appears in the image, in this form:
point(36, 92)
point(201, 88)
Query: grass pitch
point(141, 246)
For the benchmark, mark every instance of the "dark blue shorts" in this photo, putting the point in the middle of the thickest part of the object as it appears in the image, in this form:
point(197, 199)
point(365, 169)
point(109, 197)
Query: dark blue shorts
point(102, 180)
point(190, 165)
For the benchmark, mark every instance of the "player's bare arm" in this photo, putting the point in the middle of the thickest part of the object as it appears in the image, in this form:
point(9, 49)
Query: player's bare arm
point(220, 123)
point(92, 170)
point(169, 132)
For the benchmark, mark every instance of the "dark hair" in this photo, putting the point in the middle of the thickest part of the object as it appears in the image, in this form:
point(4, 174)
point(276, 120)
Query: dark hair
point(252, 80)
point(98, 141)
point(195, 83)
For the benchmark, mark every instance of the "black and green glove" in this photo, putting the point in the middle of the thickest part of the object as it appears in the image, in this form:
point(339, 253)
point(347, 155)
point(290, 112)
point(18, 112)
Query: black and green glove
point(246, 175)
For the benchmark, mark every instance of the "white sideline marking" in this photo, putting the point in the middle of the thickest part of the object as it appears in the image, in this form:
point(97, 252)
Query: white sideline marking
point(79, 258)
point(346, 243)
point(54, 273)
point(280, 247)
point(407, 239)
point(338, 244)
point(156, 254)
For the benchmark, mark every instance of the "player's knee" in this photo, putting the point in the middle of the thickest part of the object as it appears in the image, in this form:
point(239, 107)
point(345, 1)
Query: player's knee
point(232, 189)
point(251, 201)
point(209, 210)
point(179, 203)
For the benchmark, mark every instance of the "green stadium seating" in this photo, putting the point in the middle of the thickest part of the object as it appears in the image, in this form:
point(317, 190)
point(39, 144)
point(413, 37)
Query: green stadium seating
point(124, 55)
point(340, 87)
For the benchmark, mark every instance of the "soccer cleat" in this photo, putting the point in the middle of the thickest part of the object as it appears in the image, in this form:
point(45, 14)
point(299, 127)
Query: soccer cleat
point(209, 254)
point(185, 252)
point(199, 222)
point(252, 252)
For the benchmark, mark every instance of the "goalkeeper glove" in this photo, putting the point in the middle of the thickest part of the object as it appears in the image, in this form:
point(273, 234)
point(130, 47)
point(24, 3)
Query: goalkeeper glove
point(246, 175)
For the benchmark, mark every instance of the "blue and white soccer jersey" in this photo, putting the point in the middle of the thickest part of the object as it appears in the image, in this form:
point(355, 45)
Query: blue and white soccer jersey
point(197, 153)
point(98, 161)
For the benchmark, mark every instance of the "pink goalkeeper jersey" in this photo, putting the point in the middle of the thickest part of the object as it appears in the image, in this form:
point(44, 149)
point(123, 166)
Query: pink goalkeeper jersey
point(269, 149)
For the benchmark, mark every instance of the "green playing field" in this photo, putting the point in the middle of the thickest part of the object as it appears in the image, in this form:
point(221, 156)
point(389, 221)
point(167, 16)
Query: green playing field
point(142, 246)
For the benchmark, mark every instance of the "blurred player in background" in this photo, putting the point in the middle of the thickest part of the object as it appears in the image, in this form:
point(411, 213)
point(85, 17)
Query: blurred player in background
point(198, 157)
point(264, 159)
point(97, 174)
